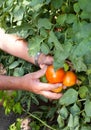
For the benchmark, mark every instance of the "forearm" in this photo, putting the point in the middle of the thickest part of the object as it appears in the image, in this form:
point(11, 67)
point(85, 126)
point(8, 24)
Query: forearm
point(10, 83)
point(15, 46)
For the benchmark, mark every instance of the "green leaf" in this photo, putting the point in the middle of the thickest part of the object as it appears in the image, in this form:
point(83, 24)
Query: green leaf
point(88, 108)
point(83, 90)
point(43, 79)
point(14, 65)
point(76, 7)
point(74, 110)
point(61, 55)
point(1, 2)
point(60, 121)
point(83, 47)
point(19, 71)
point(69, 97)
point(61, 19)
point(86, 128)
point(53, 39)
point(43, 32)
point(34, 45)
point(87, 58)
point(44, 22)
point(51, 112)
point(45, 49)
point(17, 108)
point(71, 18)
point(71, 121)
point(57, 4)
point(63, 112)
point(85, 5)
point(18, 13)
point(36, 4)
point(76, 122)
point(85, 15)
point(82, 32)
point(78, 63)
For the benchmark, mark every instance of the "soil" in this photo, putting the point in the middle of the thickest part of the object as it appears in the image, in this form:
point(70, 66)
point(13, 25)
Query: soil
point(6, 120)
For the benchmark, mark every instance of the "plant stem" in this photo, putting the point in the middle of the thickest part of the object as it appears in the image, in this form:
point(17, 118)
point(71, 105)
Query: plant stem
point(30, 114)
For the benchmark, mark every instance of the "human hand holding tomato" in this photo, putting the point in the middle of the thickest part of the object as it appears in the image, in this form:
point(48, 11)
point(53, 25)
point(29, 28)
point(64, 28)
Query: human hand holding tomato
point(67, 78)
point(32, 82)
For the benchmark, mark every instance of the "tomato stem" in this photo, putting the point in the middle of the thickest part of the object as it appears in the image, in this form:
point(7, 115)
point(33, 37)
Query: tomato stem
point(45, 124)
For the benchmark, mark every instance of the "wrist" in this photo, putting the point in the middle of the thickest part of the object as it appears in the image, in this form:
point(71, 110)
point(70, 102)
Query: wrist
point(36, 59)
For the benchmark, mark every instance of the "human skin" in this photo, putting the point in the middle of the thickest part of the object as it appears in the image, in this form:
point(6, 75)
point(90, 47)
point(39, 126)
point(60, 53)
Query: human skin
point(18, 47)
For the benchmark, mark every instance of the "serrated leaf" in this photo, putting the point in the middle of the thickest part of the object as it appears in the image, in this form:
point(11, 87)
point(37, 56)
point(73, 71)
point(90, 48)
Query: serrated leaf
point(87, 58)
point(61, 55)
point(51, 112)
point(53, 39)
point(76, 7)
point(88, 108)
point(83, 90)
point(85, 5)
point(44, 48)
point(71, 18)
point(81, 33)
point(76, 122)
point(44, 22)
point(14, 64)
point(36, 4)
point(79, 64)
point(17, 108)
point(43, 32)
point(18, 13)
point(86, 128)
point(85, 15)
point(61, 19)
point(57, 4)
point(34, 45)
point(69, 97)
point(74, 110)
point(63, 112)
point(71, 122)
point(19, 71)
point(60, 121)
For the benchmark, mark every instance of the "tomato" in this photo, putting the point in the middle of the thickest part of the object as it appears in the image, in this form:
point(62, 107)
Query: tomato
point(70, 79)
point(57, 90)
point(54, 76)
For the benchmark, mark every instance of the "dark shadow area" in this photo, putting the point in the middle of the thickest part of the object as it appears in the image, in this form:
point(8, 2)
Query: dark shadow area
point(6, 120)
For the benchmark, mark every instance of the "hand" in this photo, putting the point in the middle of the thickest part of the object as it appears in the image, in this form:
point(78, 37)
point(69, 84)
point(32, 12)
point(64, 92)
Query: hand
point(45, 60)
point(32, 83)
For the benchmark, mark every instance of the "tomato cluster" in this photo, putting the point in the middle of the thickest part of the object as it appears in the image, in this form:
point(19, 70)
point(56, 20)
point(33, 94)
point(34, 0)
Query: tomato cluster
point(67, 78)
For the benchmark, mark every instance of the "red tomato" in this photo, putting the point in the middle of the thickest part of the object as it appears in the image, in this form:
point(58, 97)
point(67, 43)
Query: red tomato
point(58, 90)
point(55, 76)
point(70, 79)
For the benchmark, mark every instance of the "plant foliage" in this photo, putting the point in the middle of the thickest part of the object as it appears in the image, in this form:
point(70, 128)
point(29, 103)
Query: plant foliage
point(61, 28)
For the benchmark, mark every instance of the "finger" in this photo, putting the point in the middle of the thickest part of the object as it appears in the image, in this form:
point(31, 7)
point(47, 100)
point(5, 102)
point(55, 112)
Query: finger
point(51, 95)
point(64, 87)
point(39, 73)
point(48, 60)
point(48, 86)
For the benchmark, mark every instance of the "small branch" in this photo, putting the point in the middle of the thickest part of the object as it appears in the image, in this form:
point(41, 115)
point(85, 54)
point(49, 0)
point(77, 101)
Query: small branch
point(35, 117)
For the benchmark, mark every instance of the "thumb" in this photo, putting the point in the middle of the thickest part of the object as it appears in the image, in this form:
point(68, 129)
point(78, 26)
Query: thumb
point(39, 73)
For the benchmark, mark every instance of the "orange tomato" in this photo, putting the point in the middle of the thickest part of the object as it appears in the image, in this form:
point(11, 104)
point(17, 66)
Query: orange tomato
point(70, 79)
point(57, 90)
point(54, 76)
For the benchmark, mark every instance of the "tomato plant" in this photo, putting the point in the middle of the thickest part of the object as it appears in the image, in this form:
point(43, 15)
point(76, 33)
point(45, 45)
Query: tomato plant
point(61, 28)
